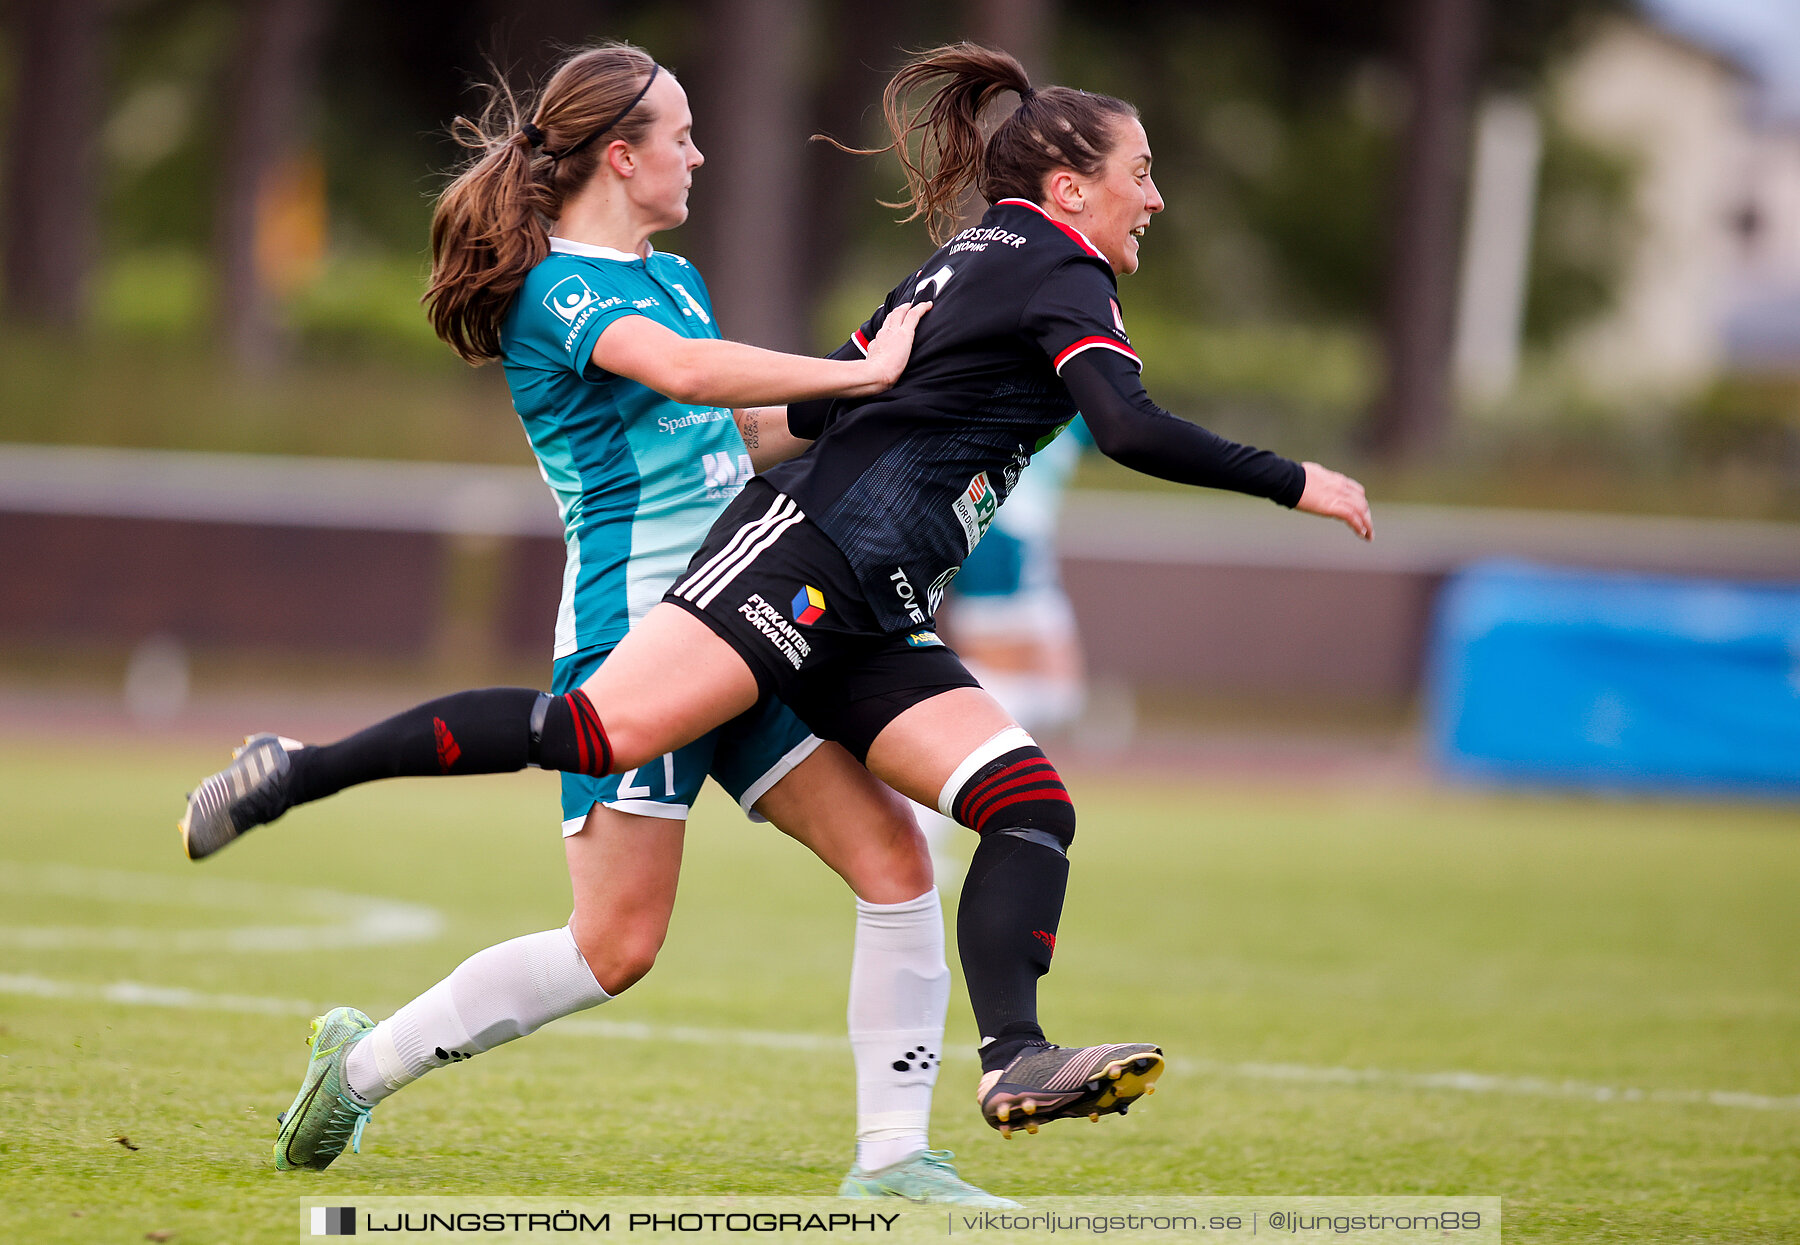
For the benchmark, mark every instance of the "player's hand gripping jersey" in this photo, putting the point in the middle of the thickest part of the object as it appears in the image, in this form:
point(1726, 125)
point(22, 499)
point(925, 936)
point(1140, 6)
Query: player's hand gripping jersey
point(1024, 331)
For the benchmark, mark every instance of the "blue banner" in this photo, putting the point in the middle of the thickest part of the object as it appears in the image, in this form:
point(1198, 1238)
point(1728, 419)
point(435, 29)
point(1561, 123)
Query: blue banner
point(1602, 679)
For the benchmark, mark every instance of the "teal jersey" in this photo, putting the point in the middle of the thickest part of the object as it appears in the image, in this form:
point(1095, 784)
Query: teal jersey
point(638, 478)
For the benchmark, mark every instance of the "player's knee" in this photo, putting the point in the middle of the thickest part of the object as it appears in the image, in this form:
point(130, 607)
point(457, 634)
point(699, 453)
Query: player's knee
point(1008, 786)
point(898, 868)
point(626, 967)
point(1050, 821)
point(619, 955)
point(888, 861)
point(566, 735)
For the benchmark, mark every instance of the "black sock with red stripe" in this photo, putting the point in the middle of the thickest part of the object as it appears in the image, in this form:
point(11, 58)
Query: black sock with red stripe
point(571, 737)
point(1017, 788)
point(1012, 896)
point(492, 731)
point(480, 732)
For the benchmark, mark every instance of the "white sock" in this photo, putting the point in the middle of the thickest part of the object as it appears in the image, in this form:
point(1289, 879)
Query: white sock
point(492, 997)
point(899, 995)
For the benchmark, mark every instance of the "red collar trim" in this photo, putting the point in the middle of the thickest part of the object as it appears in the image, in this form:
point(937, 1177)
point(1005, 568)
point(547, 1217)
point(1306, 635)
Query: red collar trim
point(1075, 235)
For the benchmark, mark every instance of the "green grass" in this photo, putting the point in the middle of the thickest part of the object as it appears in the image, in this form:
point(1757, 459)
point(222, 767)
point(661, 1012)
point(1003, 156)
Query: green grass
point(1640, 946)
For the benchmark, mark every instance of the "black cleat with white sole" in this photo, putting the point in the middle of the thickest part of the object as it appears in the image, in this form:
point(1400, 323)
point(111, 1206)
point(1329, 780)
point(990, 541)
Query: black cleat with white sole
point(250, 792)
point(1047, 1083)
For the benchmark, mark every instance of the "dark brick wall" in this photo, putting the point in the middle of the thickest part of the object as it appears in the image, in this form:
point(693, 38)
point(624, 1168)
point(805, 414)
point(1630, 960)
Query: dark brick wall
point(525, 622)
point(73, 578)
point(1237, 631)
point(1203, 629)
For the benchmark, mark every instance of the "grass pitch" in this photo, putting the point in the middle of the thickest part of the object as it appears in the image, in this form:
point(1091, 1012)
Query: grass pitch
point(1589, 1009)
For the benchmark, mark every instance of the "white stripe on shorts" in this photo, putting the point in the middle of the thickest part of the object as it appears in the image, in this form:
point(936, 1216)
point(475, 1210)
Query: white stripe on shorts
point(739, 539)
point(755, 551)
point(774, 774)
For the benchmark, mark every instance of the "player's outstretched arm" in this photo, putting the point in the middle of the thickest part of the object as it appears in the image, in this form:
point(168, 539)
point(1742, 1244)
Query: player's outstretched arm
point(1135, 432)
point(710, 372)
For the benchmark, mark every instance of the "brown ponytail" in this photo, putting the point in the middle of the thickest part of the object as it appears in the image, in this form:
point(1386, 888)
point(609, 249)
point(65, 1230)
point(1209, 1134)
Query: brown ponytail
point(491, 224)
point(1053, 128)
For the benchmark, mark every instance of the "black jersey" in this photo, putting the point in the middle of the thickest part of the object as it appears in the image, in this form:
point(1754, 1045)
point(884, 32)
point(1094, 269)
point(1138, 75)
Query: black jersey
point(906, 482)
point(1024, 330)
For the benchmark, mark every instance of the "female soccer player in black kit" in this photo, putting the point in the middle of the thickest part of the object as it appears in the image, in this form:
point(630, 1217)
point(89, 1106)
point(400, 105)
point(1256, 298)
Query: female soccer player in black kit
point(819, 583)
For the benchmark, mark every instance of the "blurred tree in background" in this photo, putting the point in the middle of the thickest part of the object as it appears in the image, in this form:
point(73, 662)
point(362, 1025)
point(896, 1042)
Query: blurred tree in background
point(52, 160)
point(261, 175)
point(269, 205)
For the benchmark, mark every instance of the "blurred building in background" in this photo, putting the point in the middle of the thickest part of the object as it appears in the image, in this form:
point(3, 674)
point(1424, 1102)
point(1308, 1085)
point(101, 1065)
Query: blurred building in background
point(1762, 327)
point(1682, 115)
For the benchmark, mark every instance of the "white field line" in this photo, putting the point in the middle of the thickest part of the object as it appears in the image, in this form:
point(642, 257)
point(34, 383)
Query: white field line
point(335, 920)
point(139, 994)
point(1484, 1083)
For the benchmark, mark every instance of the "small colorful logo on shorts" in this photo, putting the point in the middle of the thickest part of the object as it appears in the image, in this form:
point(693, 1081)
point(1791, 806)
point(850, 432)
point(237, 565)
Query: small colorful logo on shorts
point(924, 639)
point(809, 605)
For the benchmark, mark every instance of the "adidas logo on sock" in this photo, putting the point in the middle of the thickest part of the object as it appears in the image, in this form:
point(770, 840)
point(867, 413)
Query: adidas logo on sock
point(448, 750)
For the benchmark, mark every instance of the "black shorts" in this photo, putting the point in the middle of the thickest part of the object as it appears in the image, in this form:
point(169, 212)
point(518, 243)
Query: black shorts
point(778, 591)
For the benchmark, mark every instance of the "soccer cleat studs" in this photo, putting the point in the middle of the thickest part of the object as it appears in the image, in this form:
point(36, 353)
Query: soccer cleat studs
point(1045, 1083)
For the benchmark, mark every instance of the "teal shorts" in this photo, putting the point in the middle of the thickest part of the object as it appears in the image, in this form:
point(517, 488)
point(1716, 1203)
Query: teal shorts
point(747, 756)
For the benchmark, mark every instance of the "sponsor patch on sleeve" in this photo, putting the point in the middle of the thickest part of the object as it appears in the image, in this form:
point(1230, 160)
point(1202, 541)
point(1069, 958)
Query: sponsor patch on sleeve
point(573, 301)
point(570, 297)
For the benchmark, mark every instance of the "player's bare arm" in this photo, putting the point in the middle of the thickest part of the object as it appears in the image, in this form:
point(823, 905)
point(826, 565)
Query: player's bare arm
point(767, 435)
point(710, 372)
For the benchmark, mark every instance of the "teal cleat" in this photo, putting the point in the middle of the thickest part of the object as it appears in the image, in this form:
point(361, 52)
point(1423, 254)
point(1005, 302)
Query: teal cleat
point(927, 1176)
point(324, 1118)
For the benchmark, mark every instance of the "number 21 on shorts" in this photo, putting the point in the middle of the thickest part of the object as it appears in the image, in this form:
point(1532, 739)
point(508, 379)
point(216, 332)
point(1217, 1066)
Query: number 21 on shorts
point(628, 790)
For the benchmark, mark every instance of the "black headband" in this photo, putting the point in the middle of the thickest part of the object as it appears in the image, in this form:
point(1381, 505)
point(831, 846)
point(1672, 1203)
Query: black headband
point(623, 112)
